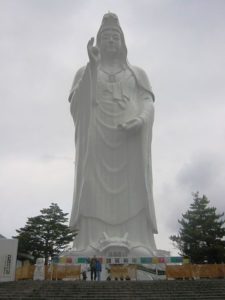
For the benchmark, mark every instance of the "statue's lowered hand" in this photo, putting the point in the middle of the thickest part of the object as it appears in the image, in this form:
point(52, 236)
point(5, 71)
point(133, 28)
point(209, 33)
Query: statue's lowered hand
point(132, 125)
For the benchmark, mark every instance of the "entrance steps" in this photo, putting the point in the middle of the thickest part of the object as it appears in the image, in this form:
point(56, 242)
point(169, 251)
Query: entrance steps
point(206, 289)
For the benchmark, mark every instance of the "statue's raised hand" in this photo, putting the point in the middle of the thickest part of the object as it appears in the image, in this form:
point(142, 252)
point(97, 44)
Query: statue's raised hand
point(93, 53)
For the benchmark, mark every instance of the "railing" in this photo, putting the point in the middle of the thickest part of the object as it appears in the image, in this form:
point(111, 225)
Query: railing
point(151, 270)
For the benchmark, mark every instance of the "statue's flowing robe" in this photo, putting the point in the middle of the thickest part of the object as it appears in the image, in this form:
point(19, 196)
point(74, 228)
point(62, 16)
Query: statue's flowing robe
point(113, 170)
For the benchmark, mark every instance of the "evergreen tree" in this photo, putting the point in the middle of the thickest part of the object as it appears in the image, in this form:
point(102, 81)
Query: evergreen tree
point(201, 233)
point(45, 235)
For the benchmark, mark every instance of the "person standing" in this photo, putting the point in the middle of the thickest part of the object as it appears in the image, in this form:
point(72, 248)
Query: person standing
point(93, 268)
point(98, 269)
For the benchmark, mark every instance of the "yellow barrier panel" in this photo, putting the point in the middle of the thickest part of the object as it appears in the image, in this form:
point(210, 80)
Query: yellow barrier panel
point(63, 271)
point(183, 271)
point(195, 271)
point(25, 272)
point(56, 272)
point(132, 271)
point(118, 271)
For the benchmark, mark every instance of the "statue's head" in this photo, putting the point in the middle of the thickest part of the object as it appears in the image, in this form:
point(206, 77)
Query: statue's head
point(110, 29)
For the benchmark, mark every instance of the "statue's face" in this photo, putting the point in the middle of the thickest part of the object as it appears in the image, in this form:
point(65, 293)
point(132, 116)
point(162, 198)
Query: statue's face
point(110, 42)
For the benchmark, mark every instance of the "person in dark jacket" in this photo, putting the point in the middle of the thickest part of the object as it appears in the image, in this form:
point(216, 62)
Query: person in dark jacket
point(93, 267)
point(98, 269)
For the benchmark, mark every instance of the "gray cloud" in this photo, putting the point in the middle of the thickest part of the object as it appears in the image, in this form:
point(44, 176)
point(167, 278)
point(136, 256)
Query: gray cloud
point(201, 172)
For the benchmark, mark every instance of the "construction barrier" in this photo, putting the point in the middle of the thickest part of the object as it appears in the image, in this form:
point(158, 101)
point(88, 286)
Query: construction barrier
point(52, 272)
point(117, 271)
point(190, 271)
point(187, 271)
point(25, 272)
point(59, 272)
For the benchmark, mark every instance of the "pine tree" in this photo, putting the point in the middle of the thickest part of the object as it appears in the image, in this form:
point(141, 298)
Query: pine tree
point(201, 233)
point(45, 235)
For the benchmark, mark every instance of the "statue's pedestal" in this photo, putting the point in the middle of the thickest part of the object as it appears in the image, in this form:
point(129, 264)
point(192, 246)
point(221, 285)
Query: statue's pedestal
point(113, 250)
point(118, 247)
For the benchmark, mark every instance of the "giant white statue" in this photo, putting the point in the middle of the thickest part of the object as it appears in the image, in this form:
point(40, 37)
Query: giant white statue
point(112, 105)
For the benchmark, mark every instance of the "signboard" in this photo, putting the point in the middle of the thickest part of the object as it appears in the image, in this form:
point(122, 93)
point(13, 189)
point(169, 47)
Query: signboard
point(122, 260)
point(8, 256)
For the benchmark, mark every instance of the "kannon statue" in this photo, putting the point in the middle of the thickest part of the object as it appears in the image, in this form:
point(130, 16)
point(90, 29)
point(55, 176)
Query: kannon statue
point(112, 105)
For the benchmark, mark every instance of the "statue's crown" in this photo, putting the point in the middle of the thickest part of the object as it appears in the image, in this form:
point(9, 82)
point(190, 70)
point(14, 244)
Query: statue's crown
point(110, 21)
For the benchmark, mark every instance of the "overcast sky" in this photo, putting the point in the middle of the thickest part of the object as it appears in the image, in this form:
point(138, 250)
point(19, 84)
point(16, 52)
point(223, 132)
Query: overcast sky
point(181, 46)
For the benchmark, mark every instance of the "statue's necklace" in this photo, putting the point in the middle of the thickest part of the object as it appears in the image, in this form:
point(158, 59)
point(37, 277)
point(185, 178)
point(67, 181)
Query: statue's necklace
point(111, 75)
